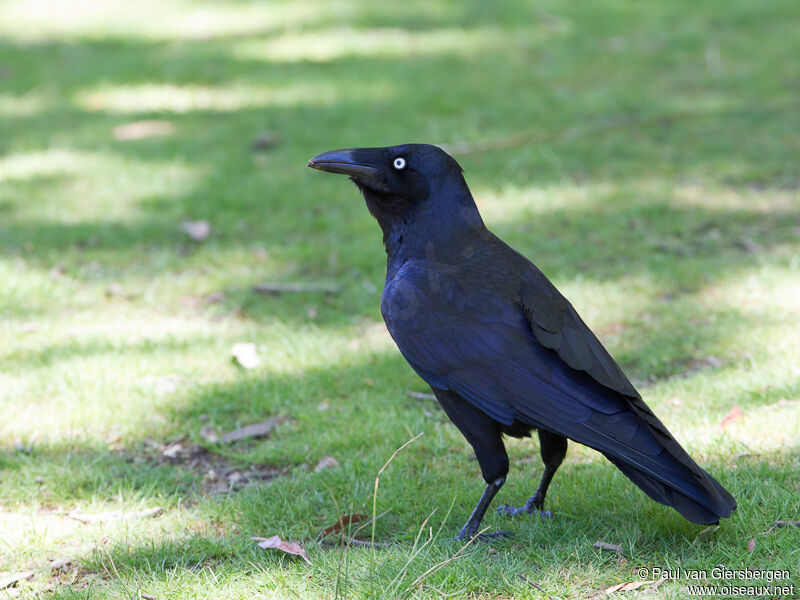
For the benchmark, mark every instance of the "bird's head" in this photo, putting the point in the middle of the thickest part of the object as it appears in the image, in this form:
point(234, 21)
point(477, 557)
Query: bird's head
point(398, 181)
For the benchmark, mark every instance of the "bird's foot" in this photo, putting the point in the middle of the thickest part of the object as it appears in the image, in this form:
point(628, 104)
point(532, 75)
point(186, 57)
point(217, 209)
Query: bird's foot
point(523, 510)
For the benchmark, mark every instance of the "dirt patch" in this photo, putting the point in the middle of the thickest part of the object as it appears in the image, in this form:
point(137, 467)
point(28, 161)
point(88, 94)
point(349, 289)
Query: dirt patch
point(220, 474)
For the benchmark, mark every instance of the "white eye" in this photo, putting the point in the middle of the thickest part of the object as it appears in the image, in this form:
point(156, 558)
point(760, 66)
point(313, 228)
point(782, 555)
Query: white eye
point(399, 163)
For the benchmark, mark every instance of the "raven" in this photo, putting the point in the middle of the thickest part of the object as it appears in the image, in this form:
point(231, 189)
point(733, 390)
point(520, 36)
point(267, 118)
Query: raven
point(503, 351)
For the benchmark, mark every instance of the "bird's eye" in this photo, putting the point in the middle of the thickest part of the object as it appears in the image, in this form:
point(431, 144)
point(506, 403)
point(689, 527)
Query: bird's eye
point(399, 163)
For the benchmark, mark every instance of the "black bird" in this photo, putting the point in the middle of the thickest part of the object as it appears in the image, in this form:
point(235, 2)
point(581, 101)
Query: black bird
point(502, 349)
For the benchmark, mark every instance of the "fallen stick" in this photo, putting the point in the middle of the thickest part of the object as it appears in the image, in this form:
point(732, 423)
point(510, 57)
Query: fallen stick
point(295, 288)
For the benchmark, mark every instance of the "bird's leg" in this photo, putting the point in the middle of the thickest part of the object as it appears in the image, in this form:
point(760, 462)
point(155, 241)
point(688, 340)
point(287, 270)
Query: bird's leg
point(474, 522)
point(553, 448)
point(486, 438)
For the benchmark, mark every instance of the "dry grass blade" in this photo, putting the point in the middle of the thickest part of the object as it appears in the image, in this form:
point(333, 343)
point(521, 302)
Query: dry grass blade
point(378, 480)
point(439, 565)
point(106, 517)
point(706, 534)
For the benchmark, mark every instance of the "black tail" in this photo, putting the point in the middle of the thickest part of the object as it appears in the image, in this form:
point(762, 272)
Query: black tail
point(697, 496)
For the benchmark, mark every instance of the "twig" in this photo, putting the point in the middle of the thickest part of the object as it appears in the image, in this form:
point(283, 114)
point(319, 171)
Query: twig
point(295, 288)
point(781, 524)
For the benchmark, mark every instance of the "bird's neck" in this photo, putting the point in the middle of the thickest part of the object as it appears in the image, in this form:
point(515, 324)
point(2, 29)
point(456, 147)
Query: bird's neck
point(437, 231)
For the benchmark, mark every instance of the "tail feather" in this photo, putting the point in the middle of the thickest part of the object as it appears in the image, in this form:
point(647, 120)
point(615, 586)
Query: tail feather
point(712, 503)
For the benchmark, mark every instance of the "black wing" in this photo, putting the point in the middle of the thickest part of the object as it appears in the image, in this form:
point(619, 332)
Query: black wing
point(530, 357)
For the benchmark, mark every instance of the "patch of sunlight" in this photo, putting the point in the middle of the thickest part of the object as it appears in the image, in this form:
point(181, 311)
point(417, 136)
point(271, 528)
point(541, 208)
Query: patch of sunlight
point(186, 98)
point(605, 304)
point(150, 19)
point(45, 164)
point(71, 186)
point(779, 419)
point(514, 204)
point(75, 378)
point(46, 527)
point(768, 289)
point(42, 531)
point(332, 44)
point(748, 199)
point(25, 105)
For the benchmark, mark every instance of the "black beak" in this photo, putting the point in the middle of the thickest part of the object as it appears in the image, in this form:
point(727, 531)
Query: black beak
point(344, 161)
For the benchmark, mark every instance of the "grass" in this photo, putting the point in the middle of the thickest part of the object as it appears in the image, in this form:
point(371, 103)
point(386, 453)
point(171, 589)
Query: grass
point(645, 158)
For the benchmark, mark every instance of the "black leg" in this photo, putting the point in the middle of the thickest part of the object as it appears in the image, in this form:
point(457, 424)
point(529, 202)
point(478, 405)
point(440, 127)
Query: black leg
point(474, 522)
point(486, 438)
point(553, 448)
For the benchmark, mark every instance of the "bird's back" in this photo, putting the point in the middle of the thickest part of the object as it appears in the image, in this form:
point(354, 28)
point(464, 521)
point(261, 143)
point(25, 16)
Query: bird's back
point(478, 319)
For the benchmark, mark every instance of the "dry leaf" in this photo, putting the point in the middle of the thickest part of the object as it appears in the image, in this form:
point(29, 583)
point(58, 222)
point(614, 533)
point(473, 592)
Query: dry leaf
point(342, 523)
point(276, 542)
point(8, 581)
point(197, 230)
point(146, 596)
point(246, 355)
point(326, 463)
point(733, 414)
point(604, 546)
point(751, 545)
point(139, 130)
point(250, 431)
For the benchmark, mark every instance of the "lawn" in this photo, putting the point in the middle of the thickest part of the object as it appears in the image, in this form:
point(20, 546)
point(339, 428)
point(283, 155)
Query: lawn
point(644, 155)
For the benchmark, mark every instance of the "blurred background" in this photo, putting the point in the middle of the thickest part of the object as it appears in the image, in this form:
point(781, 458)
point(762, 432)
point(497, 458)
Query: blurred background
point(155, 210)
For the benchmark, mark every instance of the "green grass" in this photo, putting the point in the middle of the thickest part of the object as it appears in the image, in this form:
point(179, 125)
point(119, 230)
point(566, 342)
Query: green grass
point(646, 159)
